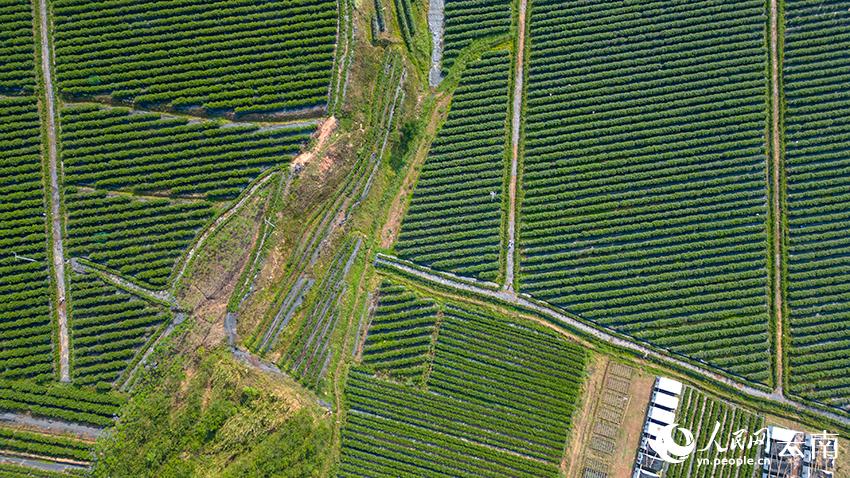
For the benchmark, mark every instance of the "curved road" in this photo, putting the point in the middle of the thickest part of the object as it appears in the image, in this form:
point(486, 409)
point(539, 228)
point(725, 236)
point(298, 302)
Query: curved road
point(511, 297)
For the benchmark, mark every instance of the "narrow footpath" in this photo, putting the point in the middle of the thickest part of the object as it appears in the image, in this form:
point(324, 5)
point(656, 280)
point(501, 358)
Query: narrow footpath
point(515, 126)
point(776, 156)
point(509, 297)
point(55, 197)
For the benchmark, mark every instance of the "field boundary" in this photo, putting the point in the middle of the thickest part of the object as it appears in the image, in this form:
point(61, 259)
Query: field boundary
point(55, 196)
point(527, 303)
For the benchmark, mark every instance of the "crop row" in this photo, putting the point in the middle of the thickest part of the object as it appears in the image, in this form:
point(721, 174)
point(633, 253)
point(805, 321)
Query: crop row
point(16, 47)
point(455, 214)
point(644, 206)
point(700, 413)
point(108, 328)
point(526, 373)
point(141, 238)
point(21, 441)
point(394, 430)
point(817, 138)
point(400, 334)
point(63, 402)
point(497, 399)
point(243, 57)
point(111, 148)
point(469, 20)
point(16, 471)
point(25, 329)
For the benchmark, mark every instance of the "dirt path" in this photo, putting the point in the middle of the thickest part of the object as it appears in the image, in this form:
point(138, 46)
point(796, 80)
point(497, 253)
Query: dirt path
point(116, 280)
point(777, 211)
point(515, 125)
point(393, 225)
point(545, 310)
point(583, 418)
point(55, 197)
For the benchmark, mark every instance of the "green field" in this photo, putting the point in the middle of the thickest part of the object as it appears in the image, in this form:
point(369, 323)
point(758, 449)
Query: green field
point(644, 198)
point(815, 72)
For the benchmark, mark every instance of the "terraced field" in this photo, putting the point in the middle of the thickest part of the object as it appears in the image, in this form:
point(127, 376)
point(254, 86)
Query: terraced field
point(401, 333)
point(469, 20)
point(108, 329)
point(16, 48)
point(119, 149)
point(455, 214)
point(25, 331)
point(455, 427)
point(644, 204)
point(216, 56)
point(188, 162)
point(817, 131)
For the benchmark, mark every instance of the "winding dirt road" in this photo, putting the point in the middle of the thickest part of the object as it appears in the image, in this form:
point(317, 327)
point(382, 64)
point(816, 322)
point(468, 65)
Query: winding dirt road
point(515, 125)
point(512, 298)
point(55, 197)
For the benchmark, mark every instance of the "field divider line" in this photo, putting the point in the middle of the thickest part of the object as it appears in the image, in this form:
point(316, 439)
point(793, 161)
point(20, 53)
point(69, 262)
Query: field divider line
point(776, 156)
point(545, 310)
point(55, 196)
point(516, 118)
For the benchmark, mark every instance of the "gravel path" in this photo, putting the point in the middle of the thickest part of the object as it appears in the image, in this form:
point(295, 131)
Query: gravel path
point(515, 125)
point(512, 298)
point(436, 16)
point(40, 464)
point(55, 197)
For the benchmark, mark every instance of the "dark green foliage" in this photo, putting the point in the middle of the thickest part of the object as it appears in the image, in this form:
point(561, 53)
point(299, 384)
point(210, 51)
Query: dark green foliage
point(469, 20)
point(644, 204)
point(108, 327)
point(817, 138)
point(400, 334)
point(139, 238)
point(64, 402)
point(16, 47)
point(243, 56)
point(455, 215)
point(114, 148)
point(25, 328)
point(511, 419)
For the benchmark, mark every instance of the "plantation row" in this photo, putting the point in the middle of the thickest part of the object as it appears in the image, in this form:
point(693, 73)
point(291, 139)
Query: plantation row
point(699, 413)
point(61, 402)
point(527, 373)
point(644, 206)
point(16, 47)
point(455, 214)
point(241, 56)
point(15, 471)
point(497, 399)
point(400, 334)
point(108, 329)
point(815, 74)
point(20, 441)
point(114, 148)
point(398, 431)
point(140, 238)
point(25, 328)
point(469, 20)
point(309, 353)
